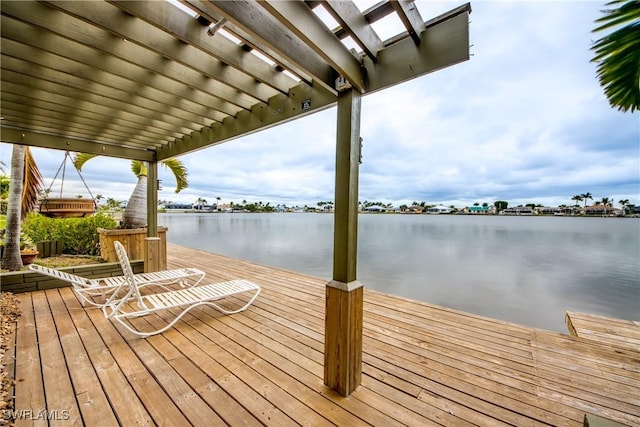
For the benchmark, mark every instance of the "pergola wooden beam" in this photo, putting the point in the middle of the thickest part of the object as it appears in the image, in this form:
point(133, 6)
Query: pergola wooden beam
point(230, 55)
point(442, 45)
point(355, 24)
point(41, 139)
point(300, 20)
point(410, 17)
point(302, 100)
point(258, 27)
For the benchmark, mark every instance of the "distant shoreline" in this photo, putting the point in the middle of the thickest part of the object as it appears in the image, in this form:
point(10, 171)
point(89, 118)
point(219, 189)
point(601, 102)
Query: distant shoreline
point(537, 215)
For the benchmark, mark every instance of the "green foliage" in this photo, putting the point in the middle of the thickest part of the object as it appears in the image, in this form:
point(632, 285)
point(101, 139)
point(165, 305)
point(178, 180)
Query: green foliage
point(80, 235)
point(618, 54)
point(4, 194)
point(501, 205)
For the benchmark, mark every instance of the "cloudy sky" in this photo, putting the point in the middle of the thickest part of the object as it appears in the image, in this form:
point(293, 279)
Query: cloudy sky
point(524, 120)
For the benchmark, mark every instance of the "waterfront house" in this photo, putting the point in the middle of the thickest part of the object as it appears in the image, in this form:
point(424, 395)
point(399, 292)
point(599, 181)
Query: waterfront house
point(375, 209)
point(549, 210)
point(415, 209)
point(601, 210)
point(518, 210)
point(439, 209)
point(478, 209)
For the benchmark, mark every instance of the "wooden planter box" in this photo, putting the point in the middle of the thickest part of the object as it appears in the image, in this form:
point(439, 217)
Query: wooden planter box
point(49, 248)
point(134, 242)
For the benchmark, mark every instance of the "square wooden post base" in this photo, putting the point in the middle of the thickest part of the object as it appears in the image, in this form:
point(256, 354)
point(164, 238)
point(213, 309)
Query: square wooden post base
point(343, 336)
point(155, 256)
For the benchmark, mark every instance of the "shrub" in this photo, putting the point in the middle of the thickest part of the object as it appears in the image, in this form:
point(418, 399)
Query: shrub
point(80, 235)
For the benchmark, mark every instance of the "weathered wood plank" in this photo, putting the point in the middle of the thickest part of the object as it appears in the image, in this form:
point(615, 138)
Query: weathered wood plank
point(90, 397)
point(615, 332)
point(62, 406)
point(155, 400)
point(123, 398)
point(29, 390)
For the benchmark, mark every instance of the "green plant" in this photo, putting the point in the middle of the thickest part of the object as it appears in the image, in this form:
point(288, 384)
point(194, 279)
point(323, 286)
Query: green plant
point(26, 244)
point(80, 235)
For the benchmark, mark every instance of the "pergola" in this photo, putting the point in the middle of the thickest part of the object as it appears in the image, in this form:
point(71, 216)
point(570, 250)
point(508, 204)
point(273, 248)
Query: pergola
point(149, 81)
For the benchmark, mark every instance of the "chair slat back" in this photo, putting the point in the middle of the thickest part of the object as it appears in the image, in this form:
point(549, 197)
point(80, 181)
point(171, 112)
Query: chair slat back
point(127, 270)
point(75, 280)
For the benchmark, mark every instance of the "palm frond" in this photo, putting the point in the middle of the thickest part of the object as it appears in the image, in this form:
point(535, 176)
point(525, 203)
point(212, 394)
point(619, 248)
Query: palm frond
point(79, 159)
point(138, 168)
point(618, 54)
point(32, 184)
point(179, 172)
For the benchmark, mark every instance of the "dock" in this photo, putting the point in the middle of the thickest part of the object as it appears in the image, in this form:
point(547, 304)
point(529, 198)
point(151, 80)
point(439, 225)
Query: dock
point(614, 332)
point(423, 364)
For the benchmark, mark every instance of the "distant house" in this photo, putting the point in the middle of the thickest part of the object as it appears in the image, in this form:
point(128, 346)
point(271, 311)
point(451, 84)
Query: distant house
point(601, 210)
point(415, 209)
point(478, 209)
point(549, 210)
point(177, 207)
point(518, 210)
point(375, 208)
point(440, 209)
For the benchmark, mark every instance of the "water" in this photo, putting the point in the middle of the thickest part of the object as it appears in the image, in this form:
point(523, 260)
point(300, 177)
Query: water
point(527, 270)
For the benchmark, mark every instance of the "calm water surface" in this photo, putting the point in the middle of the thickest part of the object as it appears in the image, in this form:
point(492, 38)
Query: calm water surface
point(527, 270)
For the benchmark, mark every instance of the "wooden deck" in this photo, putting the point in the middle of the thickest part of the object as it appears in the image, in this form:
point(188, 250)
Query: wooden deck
point(614, 332)
point(423, 364)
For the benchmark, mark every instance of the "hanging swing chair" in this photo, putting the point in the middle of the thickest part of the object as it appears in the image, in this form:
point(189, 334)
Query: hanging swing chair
point(67, 207)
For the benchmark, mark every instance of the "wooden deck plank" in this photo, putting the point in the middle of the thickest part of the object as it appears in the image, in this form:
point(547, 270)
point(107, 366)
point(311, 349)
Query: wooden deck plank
point(306, 381)
point(616, 332)
point(124, 401)
point(207, 355)
point(29, 390)
point(422, 364)
point(160, 406)
point(62, 406)
point(93, 403)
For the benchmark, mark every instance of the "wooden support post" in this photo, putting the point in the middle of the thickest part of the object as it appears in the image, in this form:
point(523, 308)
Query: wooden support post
point(155, 255)
point(344, 294)
point(152, 253)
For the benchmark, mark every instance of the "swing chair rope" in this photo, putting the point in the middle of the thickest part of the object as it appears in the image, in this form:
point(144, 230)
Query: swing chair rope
point(63, 167)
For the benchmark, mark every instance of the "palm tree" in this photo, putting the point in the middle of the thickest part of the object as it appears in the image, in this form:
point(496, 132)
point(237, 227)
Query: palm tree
point(586, 196)
point(618, 54)
point(624, 204)
point(577, 198)
point(135, 214)
point(24, 186)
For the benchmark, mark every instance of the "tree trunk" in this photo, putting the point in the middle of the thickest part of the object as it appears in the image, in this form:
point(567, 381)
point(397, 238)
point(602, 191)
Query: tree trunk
point(11, 257)
point(135, 214)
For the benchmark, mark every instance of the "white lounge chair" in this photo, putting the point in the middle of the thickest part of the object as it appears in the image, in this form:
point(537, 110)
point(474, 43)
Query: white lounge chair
point(186, 299)
point(110, 288)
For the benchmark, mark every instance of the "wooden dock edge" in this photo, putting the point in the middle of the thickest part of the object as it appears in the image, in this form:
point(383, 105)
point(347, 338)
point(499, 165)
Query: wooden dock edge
point(569, 323)
point(618, 333)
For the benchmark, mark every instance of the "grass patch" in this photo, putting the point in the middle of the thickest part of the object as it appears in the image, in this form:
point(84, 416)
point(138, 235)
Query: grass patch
point(65, 261)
